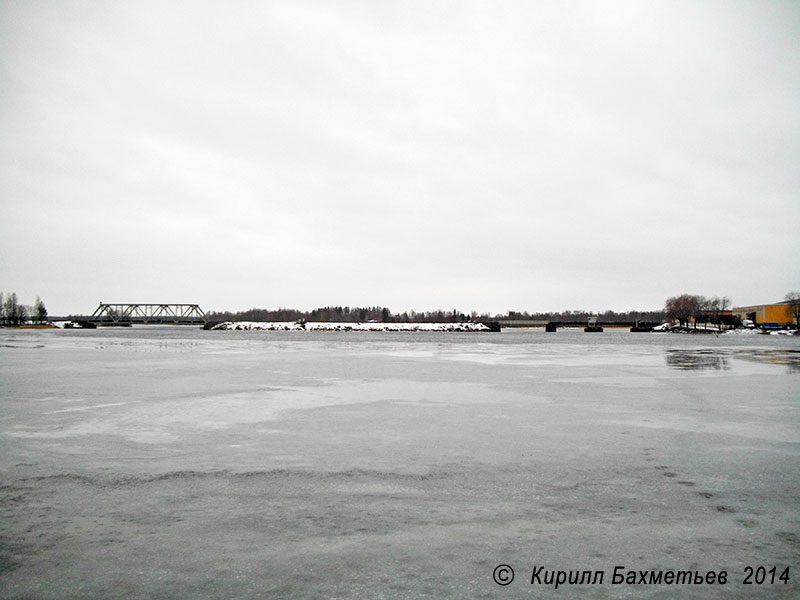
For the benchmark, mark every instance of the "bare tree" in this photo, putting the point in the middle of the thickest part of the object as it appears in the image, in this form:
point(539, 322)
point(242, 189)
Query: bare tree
point(793, 298)
point(713, 310)
point(14, 312)
point(682, 308)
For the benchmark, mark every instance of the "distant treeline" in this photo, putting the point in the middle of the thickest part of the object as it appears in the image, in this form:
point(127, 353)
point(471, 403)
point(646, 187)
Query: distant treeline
point(13, 313)
point(346, 314)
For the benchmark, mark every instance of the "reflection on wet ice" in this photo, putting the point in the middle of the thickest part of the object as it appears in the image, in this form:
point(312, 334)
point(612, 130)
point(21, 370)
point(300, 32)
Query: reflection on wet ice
point(697, 360)
point(719, 359)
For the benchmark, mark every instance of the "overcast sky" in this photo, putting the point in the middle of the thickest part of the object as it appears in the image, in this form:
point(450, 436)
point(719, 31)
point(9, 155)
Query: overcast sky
point(417, 155)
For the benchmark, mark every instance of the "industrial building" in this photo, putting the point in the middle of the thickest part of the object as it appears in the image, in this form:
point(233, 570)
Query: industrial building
point(779, 312)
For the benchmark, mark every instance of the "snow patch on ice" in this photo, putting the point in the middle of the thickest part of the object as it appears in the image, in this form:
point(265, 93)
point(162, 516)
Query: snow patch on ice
point(259, 326)
point(745, 331)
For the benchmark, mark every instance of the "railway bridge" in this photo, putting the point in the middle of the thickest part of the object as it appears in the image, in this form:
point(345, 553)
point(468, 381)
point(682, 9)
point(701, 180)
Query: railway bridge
point(129, 314)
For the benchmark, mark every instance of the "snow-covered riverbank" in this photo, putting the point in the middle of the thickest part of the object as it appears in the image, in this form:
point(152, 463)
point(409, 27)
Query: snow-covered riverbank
point(291, 326)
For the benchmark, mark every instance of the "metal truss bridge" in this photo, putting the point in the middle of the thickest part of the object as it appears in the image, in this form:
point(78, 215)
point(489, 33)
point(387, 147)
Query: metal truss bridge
point(130, 314)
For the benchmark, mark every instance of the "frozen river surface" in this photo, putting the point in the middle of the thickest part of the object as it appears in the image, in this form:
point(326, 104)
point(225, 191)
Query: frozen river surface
point(179, 463)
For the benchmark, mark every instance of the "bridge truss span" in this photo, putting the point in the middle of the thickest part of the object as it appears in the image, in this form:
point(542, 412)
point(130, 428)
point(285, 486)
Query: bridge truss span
point(177, 314)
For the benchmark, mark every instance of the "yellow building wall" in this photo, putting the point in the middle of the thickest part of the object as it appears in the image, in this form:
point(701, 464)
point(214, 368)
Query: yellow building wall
point(779, 313)
point(766, 313)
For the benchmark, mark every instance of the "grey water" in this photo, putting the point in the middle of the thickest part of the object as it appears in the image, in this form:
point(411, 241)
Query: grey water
point(168, 462)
